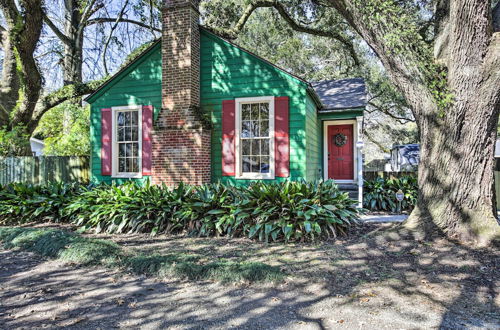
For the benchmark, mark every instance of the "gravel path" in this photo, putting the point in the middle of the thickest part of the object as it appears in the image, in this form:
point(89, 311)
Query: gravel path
point(37, 293)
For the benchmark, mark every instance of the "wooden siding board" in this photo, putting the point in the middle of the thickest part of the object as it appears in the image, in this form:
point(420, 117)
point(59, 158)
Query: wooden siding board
point(140, 85)
point(228, 73)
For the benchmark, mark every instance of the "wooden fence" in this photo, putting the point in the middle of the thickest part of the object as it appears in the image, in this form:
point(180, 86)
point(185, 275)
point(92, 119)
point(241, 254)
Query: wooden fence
point(39, 170)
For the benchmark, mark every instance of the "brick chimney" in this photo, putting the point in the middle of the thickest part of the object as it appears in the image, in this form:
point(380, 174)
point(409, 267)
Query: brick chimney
point(181, 145)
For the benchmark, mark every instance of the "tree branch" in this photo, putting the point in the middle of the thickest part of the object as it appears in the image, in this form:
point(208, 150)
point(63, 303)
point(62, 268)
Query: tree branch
point(63, 94)
point(56, 30)
point(108, 40)
point(232, 33)
point(402, 120)
point(122, 20)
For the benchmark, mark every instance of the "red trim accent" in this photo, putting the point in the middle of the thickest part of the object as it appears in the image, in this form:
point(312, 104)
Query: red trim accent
point(147, 127)
point(106, 140)
point(228, 136)
point(281, 136)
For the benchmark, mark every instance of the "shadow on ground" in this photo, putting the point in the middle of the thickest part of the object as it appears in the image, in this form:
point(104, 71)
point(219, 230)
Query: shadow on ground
point(376, 278)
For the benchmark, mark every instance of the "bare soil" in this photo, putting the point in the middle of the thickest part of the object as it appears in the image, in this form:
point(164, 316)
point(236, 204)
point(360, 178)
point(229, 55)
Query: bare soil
point(374, 278)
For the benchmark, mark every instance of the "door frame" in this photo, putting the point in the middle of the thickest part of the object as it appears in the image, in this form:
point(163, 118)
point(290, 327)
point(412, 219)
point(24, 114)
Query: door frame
point(355, 133)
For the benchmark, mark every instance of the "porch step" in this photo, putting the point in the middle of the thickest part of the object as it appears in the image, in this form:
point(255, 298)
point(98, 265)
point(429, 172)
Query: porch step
point(351, 189)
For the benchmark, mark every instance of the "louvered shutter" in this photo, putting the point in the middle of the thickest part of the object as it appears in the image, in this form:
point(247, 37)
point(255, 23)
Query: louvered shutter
point(228, 136)
point(281, 136)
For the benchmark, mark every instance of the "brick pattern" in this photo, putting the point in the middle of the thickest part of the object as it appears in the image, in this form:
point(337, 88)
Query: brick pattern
point(180, 146)
point(181, 155)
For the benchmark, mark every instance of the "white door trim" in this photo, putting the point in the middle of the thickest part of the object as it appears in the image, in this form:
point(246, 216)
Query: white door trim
point(355, 133)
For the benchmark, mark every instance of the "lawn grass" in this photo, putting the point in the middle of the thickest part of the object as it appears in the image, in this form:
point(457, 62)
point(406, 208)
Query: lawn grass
point(71, 247)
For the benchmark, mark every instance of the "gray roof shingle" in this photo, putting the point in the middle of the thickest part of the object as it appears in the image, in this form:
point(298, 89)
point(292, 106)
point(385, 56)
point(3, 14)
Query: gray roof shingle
point(341, 94)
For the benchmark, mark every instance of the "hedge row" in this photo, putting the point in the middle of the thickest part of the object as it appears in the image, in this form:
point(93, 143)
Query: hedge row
point(265, 211)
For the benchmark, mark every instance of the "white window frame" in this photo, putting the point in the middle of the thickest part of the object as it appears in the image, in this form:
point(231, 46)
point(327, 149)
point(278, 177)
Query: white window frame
point(239, 170)
point(114, 147)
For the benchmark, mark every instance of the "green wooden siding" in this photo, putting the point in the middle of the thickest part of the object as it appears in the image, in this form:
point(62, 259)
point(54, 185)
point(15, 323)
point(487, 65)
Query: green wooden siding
point(228, 72)
point(139, 84)
point(313, 142)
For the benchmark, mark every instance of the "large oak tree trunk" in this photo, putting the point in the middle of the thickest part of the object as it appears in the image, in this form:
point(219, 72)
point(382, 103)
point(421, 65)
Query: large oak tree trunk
point(453, 90)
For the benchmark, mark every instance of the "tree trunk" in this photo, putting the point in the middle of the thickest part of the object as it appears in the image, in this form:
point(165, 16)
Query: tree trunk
point(455, 177)
point(73, 51)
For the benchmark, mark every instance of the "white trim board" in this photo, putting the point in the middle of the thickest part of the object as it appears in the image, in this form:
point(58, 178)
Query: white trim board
point(114, 144)
point(238, 173)
point(355, 133)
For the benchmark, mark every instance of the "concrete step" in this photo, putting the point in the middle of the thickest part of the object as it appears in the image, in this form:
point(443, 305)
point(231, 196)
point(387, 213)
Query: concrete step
point(348, 187)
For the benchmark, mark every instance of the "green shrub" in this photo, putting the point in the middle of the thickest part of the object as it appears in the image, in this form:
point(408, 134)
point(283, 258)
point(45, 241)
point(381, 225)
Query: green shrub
point(264, 211)
point(21, 203)
point(380, 194)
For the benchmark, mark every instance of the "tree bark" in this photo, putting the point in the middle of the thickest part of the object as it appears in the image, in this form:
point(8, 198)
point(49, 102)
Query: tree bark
point(456, 182)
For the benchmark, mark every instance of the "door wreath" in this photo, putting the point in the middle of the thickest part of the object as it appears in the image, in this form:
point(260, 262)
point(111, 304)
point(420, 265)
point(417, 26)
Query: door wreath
point(340, 139)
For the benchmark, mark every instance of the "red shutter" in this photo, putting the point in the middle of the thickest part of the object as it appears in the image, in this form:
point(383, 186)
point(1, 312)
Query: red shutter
point(281, 137)
point(228, 136)
point(106, 140)
point(147, 126)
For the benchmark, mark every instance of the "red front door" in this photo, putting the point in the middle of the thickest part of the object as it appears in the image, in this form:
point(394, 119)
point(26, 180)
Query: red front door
point(340, 152)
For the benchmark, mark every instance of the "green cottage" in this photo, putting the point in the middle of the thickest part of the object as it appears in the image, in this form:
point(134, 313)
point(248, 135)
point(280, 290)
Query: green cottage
point(197, 108)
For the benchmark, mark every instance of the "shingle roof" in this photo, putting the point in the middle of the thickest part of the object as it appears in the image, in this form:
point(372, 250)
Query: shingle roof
point(341, 94)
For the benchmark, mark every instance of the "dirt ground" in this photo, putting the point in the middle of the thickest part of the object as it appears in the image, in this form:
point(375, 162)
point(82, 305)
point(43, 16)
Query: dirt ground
point(373, 279)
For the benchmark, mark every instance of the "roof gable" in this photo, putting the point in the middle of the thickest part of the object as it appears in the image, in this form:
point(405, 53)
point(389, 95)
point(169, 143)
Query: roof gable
point(123, 72)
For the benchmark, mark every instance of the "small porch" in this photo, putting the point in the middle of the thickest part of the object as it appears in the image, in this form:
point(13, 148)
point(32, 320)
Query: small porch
point(340, 122)
point(342, 158)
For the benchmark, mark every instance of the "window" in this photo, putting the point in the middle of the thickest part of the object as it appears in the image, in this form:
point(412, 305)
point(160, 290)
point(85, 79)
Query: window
point(255, 138)
point(127, 141)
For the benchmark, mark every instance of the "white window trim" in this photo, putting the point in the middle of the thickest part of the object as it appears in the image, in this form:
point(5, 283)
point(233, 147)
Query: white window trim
point(355, 133)
point(114, 147)
point(258, 176)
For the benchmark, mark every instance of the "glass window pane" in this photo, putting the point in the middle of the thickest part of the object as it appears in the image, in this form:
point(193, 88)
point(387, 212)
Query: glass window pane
point(264, 111)
point(264, 164)
point(121, 165)
point(121, 134)
point(135, 149)
point(245, 112)
point(128, 150)
point(264, 147)
point(135, 118)
point(133, 164)
point(255, 128)
point(255, 147)
point(255, 161)
point(127, 118)
point(120, 119)
point(135, 134)
point(246, 166)
point(264, 128)
point(245, 147)
point(128, 134)
point(255, 111)
point(246, 129)
point(121, 150)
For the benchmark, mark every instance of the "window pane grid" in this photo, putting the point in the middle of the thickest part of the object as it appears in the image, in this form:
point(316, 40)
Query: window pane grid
point(255, 138)
point(128, 141)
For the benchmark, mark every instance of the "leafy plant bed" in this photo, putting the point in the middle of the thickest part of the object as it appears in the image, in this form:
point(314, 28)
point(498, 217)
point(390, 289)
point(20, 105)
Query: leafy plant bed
point(73, 248)
point(288, 211)
point(380, 194)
